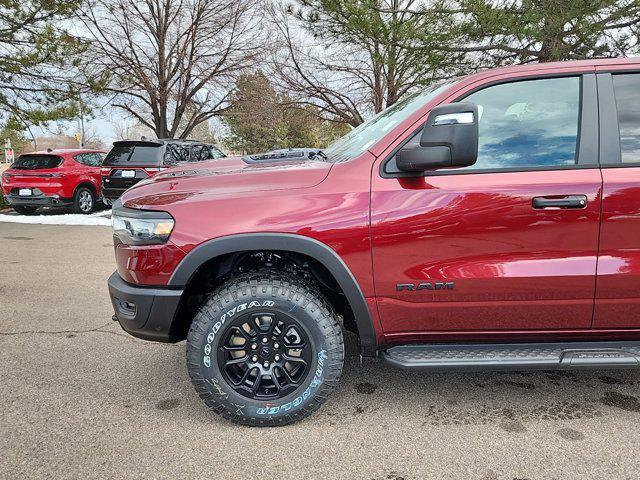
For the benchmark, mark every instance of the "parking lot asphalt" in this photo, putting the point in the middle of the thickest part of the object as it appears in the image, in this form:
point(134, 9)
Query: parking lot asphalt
point(81, 399)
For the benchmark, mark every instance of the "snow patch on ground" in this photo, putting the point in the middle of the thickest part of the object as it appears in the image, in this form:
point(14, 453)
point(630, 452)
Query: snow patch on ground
point(100, 218)
point(103, 213)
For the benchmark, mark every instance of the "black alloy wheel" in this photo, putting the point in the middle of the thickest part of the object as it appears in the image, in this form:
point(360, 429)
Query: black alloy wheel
point(265, 355)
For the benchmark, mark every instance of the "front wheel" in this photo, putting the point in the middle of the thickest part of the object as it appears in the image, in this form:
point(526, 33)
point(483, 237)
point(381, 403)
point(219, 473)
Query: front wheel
point(265, 349)
point(84, 201)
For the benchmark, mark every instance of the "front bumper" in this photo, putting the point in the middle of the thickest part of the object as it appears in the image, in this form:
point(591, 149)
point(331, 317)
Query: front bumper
point(38, 200)
point(144, 312)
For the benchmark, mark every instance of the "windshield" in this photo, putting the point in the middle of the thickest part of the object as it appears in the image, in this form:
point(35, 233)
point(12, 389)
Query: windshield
point(367, 134)
point(36, 162)
point(133, 155)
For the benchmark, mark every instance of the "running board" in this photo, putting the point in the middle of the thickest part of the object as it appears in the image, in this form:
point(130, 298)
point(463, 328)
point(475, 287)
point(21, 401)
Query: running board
point(515, 356)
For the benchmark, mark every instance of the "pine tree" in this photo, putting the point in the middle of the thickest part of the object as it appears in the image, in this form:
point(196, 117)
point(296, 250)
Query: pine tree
point(496, 32)
point(38, 57)
point(261, 119)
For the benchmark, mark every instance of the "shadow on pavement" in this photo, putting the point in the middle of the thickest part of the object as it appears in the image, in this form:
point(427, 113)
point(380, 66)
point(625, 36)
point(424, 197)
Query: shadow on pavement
point(509, 400)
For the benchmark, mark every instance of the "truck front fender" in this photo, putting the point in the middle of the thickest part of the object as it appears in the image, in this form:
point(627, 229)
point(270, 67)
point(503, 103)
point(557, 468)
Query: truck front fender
point(286, 243)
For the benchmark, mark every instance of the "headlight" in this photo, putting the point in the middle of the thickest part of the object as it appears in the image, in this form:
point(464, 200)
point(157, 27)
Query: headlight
point(141, 227)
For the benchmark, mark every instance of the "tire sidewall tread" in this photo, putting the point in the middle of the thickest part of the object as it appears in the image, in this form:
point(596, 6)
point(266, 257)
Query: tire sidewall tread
point(323, 326)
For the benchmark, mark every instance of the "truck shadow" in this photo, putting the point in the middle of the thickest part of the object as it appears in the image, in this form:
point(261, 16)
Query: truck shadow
point(510, 400)
point(380, 393)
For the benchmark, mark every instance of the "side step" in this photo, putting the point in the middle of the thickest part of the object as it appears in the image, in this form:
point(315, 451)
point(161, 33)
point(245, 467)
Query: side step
point(515, 356)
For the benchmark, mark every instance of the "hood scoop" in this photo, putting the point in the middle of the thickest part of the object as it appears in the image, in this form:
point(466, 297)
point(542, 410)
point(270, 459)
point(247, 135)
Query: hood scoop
point(283, 155)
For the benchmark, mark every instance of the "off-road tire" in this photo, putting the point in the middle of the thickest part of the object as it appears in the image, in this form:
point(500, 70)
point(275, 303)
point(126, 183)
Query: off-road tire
point(25, 210)
point(289, 296)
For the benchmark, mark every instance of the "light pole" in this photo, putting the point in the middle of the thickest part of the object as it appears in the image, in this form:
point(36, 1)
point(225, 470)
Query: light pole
point(80, 134)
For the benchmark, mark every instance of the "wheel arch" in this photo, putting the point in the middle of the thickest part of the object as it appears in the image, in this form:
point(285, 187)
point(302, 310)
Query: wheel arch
point(89, 185)
point(283, 242)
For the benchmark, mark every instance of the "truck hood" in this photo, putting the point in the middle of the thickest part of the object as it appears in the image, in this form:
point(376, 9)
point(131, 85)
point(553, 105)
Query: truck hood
point(224, 177)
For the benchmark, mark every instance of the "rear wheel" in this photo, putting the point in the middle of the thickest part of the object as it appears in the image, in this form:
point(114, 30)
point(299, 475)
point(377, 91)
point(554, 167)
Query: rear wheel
point(84, 201)
point(265, 349)
point(22, 210)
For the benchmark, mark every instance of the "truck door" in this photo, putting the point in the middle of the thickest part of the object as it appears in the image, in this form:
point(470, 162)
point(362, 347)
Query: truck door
point(509, 243)
point(618, 283)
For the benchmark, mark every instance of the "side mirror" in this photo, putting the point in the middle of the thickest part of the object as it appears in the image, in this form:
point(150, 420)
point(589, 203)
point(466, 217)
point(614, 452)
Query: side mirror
point(449, 139)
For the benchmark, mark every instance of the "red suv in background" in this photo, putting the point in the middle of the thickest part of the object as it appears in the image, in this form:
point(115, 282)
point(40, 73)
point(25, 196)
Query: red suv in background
point(54, 178)
point(486, 222)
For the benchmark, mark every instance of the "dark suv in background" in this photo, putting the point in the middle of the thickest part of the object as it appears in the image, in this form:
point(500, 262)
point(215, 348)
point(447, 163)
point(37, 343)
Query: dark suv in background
point(130, 161)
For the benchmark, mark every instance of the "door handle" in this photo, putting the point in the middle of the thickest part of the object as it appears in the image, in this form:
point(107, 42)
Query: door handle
point(569, 201)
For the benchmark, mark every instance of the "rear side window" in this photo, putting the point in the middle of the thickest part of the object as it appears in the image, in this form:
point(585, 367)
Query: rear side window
point(627, 91)
point(176, 153)
point(90, 159)
point(36, 162)
point(531, 123)
point(134, 155)
point(200, 153)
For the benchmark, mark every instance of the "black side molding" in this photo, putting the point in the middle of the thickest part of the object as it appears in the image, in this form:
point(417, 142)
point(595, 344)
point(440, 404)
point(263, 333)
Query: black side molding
point(288, 243)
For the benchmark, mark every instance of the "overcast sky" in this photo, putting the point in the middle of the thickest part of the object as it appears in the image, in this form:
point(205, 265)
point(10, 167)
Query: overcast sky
point(103, 125)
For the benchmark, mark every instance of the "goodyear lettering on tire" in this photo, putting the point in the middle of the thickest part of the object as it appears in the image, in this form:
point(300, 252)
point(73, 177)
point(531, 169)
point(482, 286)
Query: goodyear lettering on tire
point(269, 409)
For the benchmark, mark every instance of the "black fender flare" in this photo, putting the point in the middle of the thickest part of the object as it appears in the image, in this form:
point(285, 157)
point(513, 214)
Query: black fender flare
point(288, 243)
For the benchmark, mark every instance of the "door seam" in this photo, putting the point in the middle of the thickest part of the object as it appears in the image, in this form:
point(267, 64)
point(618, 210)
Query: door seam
point(595, 280)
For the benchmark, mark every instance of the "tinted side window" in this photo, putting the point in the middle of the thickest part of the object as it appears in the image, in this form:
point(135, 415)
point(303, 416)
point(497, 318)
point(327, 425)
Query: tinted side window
point(199, 153)
point(627, 91)
point(176, 153)
point(531, 123)
point(95, 159)
point(90, 159)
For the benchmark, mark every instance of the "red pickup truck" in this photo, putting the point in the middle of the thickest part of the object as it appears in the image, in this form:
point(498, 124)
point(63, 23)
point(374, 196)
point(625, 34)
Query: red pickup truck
point(487, 222)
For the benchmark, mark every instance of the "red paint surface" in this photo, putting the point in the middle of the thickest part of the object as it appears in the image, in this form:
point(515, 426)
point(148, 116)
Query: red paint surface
point(72, 174)
point(618, 287)
point(514, 267)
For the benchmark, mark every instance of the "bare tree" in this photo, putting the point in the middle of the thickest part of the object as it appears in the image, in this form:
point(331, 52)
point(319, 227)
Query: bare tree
point(351, 58)
point(59, 138)
point(171, 63)
point(92, 139)
point(131, 130)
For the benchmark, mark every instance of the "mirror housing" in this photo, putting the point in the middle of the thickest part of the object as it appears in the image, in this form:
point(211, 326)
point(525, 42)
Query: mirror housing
point(449, 139)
